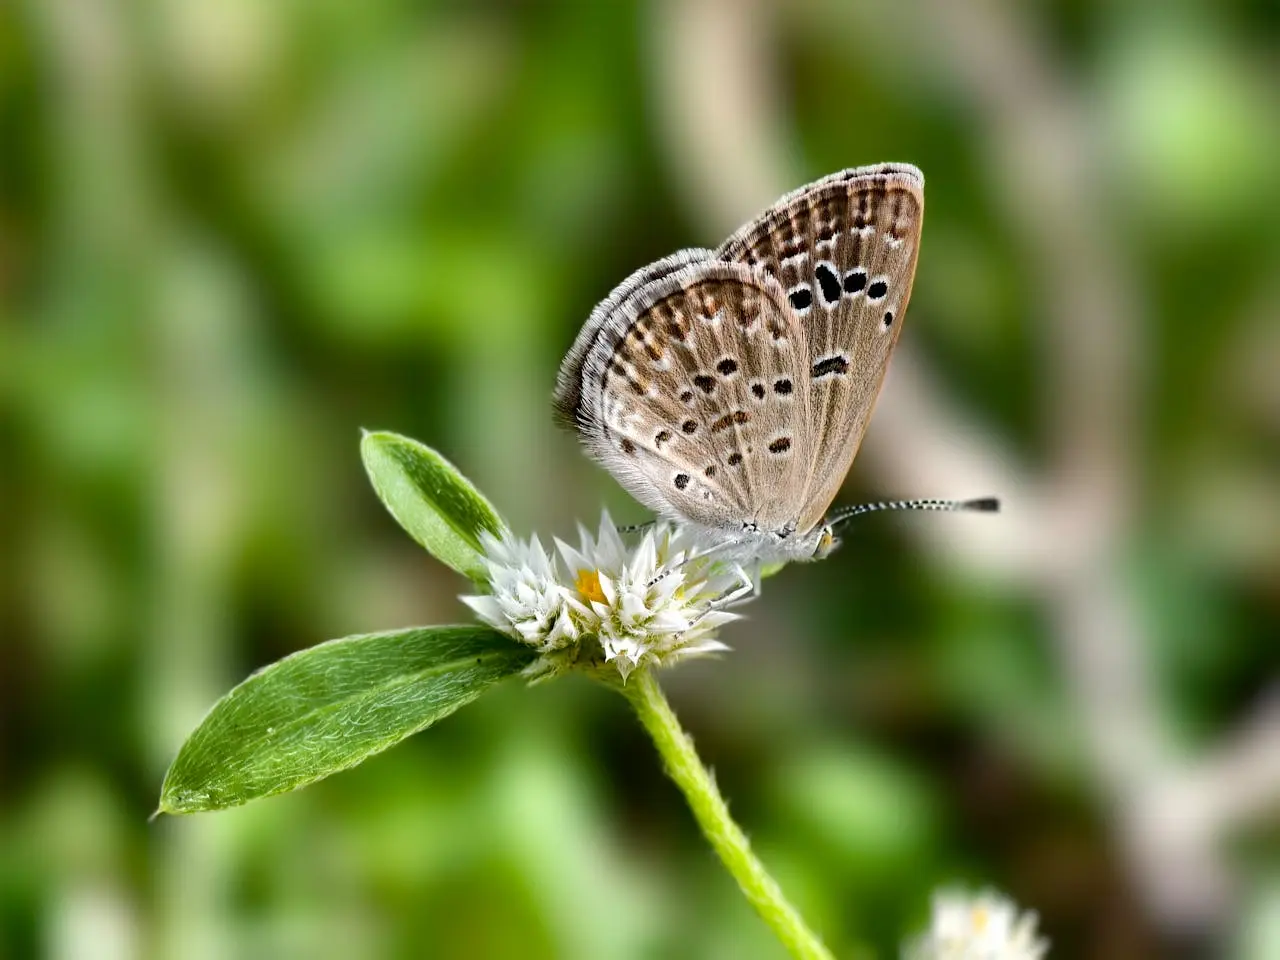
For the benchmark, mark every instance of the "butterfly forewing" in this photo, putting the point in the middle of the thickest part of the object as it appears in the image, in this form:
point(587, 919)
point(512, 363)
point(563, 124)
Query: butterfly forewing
point(843, 250)
point(688, 397)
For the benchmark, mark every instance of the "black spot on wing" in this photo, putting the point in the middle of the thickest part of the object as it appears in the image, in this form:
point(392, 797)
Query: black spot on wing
point(830, 366)
point(801, 298)
point(828, 282)
point(729, 419)
point(855, 281)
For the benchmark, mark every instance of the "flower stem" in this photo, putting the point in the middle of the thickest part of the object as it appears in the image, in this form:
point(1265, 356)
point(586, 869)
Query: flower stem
point(730, 843)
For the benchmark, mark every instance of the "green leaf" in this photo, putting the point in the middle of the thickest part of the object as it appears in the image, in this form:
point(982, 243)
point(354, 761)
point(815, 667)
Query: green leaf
point(327, 708)
point(431, 499)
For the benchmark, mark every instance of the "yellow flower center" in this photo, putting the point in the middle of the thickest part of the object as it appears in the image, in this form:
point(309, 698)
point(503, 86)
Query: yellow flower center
point(979, 918)
point(588, 584)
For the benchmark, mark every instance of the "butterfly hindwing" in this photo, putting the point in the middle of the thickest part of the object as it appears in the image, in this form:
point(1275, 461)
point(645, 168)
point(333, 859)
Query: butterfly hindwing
point(567, 400)
point(687, 396)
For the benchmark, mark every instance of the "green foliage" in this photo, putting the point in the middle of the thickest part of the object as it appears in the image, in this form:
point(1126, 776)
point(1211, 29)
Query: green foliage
point(232, 233)
point(431, 499)
point(328, 708)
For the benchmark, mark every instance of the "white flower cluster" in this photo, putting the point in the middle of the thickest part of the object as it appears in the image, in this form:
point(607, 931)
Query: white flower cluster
point(987, 926)
point(659, 601)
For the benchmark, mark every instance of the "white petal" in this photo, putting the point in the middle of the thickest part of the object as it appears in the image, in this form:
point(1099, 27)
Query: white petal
point(530, 631)
point(562, 630)
point(538, 558)
point(669, 621)
point(666, 588)
point(490, 545)
point(578, 606)
point(610, 543)
point(488, 609)
point(574, 561)
point(633, 607)
point(644, 563)
point(717, 618)
point(702, 648)
point(584, 538)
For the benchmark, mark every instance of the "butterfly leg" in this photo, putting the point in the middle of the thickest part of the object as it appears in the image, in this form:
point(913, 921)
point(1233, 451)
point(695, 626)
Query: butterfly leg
point(746, 585)
point(710, 551)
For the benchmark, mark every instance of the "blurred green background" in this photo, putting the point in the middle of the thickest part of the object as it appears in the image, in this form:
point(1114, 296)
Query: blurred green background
point(232, 233)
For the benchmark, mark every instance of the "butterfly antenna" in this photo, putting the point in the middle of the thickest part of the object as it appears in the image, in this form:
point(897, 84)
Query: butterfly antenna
point(980, 505)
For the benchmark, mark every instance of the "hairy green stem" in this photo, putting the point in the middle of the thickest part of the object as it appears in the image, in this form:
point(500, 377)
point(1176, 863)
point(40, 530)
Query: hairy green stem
point(709, 809)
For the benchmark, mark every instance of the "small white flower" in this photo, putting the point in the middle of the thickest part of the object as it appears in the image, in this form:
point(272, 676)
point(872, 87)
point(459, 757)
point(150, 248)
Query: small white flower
point(528, 600)
point(657, 602)
point(987, 926)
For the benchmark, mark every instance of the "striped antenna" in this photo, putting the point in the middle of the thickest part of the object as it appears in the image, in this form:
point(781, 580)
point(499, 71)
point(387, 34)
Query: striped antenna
point(980, 505)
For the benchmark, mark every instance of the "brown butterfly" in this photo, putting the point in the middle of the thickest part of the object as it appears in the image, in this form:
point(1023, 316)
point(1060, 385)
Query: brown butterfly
point(730, 388)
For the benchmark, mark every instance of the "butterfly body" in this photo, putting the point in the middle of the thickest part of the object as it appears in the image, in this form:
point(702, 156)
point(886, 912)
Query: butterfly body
point(730, 388)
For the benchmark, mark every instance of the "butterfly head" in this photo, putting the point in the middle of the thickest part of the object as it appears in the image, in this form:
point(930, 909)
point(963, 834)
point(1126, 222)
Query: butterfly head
point(787, 546)
point(827, 542)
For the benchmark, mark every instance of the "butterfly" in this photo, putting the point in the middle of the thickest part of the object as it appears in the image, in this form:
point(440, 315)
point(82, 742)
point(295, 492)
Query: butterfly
point(729, 389)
